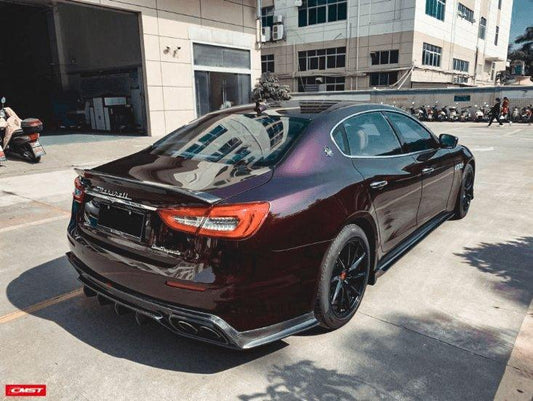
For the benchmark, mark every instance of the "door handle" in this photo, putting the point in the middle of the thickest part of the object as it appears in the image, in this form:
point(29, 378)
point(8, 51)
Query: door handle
point(428, 170)
point(378, 184)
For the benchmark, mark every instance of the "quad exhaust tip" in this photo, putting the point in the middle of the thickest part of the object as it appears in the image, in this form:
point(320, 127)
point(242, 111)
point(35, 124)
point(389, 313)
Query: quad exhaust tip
point(191, 328)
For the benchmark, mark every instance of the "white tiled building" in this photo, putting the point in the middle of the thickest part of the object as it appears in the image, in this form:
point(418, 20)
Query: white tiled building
point(172, 59)
point(361, 44)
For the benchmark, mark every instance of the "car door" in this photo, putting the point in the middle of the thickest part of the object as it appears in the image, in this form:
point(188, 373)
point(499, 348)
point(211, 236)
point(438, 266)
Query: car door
point(390, 176)
point(434, 163)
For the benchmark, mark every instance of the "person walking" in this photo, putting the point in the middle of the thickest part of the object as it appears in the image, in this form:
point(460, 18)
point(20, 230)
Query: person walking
point(494, 113)
point(505, 110)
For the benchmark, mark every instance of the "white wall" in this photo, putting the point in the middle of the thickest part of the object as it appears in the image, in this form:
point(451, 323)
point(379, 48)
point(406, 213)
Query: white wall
point(178, 23)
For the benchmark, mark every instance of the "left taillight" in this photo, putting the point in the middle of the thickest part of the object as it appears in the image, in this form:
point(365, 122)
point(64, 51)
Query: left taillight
point(79, 190)
point(237, 221)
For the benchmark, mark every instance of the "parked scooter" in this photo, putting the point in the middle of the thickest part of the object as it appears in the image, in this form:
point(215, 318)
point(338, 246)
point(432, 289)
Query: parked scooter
point(20, 137)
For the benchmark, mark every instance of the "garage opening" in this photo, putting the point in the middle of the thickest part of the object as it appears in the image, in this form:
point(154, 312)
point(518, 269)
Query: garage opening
point(76, 67)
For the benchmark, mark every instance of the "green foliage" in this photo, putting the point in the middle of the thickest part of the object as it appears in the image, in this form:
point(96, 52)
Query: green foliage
point(269, 88)
point(525, 51)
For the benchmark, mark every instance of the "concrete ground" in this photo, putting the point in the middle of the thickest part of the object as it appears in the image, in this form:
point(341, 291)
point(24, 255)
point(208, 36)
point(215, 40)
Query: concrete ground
point(452, 320)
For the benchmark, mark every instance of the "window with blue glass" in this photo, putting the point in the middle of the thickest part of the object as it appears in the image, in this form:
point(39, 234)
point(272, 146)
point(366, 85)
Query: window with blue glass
point(460, 65)
point(436, 8)
point(267, 16)
point(465, 13)
point(313, 12)
point(482, 28)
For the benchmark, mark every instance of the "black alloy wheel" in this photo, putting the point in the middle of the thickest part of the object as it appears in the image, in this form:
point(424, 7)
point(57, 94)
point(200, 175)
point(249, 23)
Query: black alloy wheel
point(344, 276)
point(466, 193)
point(348, 278)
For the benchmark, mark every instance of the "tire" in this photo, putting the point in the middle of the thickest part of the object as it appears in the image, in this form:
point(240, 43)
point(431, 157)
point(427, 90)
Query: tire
point(343, 278)
point(466, 193)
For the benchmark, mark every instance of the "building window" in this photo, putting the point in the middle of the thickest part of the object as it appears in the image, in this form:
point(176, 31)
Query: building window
point(460, 65)
point(460, 80)
point(314, 84)
point(267, 63)
point(383, 78)
point(431, 55)
point(436, 8)
point(267, 16)
point(322, 59)
point(499, 4)
point(482, 28)
point(384, 57)
point(497, 36)
point(465, 12)
point(313, 12)
point(216, 56)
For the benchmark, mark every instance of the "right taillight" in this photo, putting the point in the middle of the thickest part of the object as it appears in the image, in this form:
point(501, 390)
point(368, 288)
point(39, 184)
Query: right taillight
point(236, 221)
point(79, 190)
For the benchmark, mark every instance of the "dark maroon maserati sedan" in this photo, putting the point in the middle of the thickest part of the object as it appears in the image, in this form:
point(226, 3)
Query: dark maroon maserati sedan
point(251, 224)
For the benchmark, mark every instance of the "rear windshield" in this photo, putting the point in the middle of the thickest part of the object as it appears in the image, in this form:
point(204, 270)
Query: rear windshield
point(251, 139)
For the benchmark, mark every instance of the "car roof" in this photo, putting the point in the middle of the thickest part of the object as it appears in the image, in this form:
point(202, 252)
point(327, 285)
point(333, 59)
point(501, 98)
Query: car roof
point(309, 108)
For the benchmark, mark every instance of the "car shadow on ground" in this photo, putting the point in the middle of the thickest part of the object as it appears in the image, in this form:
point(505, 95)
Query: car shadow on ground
point(119, 336)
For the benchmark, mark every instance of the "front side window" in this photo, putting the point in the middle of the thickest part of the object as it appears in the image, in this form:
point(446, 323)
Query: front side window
point(313, 12)
point(231, 138)
point(267, 63)
point(415, 136)
point(431, 55)
point(482, 28)
point(436, 8)
point(383, 78)
point(368, 134)
point(384, 57)
point(321, 59)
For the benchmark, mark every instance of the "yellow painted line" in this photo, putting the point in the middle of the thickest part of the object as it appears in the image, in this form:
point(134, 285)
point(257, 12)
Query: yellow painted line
point(34, 223)
point(40, 305)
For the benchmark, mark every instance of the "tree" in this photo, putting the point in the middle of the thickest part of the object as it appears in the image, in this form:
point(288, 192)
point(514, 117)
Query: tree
point(525, 51)
point(269, 88)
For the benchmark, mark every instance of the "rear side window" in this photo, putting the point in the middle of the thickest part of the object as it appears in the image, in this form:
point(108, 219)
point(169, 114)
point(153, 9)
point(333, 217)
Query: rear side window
point(250, 139)
point(416, 137)
point(368, 134)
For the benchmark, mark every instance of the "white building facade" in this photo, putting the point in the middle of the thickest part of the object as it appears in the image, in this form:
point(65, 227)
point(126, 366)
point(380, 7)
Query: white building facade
point(361, 44)
point(168, 60)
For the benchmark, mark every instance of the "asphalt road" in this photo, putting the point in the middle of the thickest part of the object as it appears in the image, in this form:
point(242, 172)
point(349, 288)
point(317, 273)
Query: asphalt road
point(448, 322)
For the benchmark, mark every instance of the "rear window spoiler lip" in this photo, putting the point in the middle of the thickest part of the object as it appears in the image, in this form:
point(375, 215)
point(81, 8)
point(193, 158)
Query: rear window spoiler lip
point(203, 196)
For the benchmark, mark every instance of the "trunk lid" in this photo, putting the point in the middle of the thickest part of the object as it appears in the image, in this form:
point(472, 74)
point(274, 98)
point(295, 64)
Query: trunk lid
point(161, 181)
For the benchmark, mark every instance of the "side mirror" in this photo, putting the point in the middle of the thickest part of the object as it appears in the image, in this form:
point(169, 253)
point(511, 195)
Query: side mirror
point(448, 141)
point(3, 100)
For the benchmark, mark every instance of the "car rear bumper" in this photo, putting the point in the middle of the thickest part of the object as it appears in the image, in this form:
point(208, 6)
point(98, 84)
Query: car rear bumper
point(187, 322)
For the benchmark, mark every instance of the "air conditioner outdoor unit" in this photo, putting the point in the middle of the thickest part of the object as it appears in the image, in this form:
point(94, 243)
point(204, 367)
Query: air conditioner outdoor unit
point(265, 34)
point(298, 3)
point(277, 32)
point(278, 19)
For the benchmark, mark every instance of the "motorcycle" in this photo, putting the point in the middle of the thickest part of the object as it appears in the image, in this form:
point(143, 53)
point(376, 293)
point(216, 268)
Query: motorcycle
point(466, 114)
point(20, 137)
